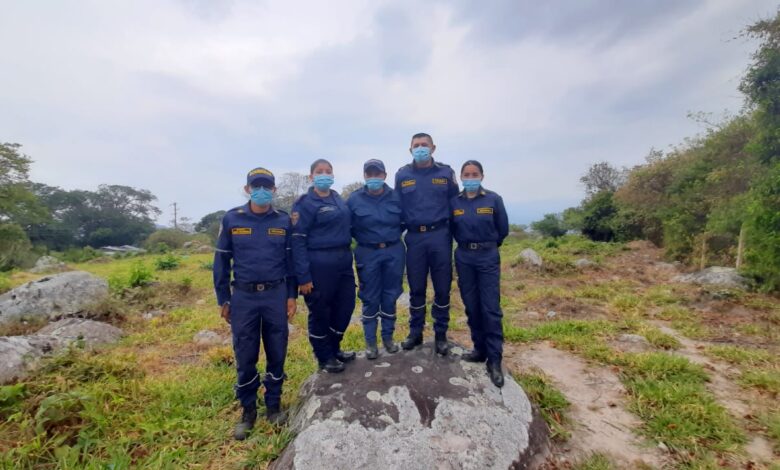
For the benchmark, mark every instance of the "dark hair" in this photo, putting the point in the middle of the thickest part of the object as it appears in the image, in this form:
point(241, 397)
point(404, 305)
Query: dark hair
point(475, 163)
point(421, 135)
point(317, 162)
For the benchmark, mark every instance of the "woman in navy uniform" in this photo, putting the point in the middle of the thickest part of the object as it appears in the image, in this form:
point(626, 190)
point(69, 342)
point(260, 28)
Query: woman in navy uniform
point(379, 256)
point(480, 224)
point(323, 265)
point(256, 238)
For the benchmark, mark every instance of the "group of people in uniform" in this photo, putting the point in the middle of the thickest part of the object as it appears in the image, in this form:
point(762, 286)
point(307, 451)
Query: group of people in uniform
point(265, 258)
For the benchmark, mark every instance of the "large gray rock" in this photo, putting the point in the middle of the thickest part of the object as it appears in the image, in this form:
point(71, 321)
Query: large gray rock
point(53, 296)
point(47, 263)
point(20, 354)
point(413, 410)
point(531, 257)
point(716, 276)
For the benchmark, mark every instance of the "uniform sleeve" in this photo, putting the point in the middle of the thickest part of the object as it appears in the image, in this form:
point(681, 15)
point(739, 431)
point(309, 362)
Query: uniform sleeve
point(453, 190)
point(223, 255)
point(351, 205)
point(302, 221)
point(501, 220)
point(292, 280)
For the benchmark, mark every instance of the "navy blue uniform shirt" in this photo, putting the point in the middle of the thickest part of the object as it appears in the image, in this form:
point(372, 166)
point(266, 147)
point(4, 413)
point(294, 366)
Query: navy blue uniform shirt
point(318, 223)
point(425, 192)
point(259, 246)
point(375, 218)
point(481, 219)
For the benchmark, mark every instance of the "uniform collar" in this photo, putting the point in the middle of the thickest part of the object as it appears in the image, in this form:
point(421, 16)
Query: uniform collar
point(386, 191)
point(417, 168)
point(314, 194)
point(480, 193)
point(270, 211)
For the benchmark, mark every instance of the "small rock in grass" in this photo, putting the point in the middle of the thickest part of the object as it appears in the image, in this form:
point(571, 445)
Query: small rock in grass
point(551, 314)
point(207, 338)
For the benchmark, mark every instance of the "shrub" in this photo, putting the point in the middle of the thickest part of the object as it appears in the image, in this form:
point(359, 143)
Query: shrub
point(170, 238)
point(79, 255)
point(140, 276)
point(167, 262)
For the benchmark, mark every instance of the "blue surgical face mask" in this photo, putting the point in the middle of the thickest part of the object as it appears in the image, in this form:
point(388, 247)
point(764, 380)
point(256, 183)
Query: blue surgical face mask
point(323, 182)
point(471, 185)
point(421, 154)
point(374, 184)
point(261, 196)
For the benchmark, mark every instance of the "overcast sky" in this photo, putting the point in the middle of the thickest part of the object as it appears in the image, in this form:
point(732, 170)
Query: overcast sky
point(184, 97)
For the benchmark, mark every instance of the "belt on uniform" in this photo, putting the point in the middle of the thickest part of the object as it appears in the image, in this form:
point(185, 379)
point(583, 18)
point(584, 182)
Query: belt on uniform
point(427, 228)
point(331, 248)
point(256, 286)
point(378, 245)
point(478, 245)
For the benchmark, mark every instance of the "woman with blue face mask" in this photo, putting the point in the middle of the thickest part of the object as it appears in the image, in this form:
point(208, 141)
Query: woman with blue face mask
point(379, 256)
point(323, 265)
point(480, 224)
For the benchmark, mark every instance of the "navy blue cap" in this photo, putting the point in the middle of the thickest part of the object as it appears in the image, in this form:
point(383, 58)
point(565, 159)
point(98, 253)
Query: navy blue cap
point(374, 163)
point(260, 175)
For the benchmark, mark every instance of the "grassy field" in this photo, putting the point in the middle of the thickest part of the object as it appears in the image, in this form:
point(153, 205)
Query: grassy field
point(158, 400)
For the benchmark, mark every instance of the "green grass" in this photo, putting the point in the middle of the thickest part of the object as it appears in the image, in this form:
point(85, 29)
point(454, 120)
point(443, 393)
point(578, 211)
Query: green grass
point(595, 461)
point(552, 404)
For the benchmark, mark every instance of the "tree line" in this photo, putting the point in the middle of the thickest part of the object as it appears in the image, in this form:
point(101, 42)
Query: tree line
point(705, 198)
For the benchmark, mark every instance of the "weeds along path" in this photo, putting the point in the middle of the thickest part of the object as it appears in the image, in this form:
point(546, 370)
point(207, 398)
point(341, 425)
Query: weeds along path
point(597, 419)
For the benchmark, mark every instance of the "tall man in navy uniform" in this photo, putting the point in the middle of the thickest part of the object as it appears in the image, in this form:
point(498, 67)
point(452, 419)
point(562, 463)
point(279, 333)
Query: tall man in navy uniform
point(426, 187)
point(256, 238)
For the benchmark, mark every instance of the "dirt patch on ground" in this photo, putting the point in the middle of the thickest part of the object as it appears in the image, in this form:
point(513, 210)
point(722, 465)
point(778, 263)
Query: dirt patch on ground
point(597, 418)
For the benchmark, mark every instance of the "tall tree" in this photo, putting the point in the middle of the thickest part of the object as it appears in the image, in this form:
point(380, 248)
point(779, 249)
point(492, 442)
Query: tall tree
point(18, 204)
point(603, 176)
point(288, 188)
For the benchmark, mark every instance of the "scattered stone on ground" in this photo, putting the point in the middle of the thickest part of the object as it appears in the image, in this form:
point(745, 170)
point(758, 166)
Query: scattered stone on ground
point(597, 417)
point(203, 249)
point(531, 257)
point(418, 411)
point(584, 263)
point(715, 276)
point(188, 244)
point(532, 315)
point(208, 338)
point(551, 314)
point(112, 250)
point(632, 343)
point(53, 296)
point(152, 314)
point(48, 264)
point(20, 354)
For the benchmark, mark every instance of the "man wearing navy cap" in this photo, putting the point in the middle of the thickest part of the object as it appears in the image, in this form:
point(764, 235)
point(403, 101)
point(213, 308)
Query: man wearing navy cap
point(256, 238)
point(379, 256)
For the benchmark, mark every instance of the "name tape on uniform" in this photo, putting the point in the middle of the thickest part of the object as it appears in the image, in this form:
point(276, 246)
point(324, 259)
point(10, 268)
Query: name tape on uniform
point(484, 210)
point(439, 180)
point(277, 231)
point(457, 212)
point(407, 183)
point(241, 231)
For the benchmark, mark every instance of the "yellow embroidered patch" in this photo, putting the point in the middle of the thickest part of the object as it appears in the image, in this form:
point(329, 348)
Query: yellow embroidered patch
point(484, 210)
point(277, 231)
point(260, 171)
point(407, 183)
point(241, 231)
point(439, 181)
point(457, 212)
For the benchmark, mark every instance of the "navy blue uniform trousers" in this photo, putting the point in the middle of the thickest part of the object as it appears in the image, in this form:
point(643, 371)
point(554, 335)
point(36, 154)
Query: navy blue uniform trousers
point(332, 301)
point(254, 315)
point(479, 274)
point(380, 272)
point(429, 252)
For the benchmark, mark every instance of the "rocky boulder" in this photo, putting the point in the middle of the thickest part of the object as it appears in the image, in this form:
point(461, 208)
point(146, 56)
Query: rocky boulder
point(414, 410)
point(20, 354)
point(53, 296)
point(715, 276)
point(531, 257)
point(46, 264)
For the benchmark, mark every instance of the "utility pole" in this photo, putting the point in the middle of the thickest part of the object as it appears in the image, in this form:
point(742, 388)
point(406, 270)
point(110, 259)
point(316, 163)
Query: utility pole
point(175, 217)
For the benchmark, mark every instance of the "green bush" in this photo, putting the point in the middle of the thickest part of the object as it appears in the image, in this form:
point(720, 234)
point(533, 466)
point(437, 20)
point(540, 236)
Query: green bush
point(763, 230)
point(167, 262)
point(140, 276)
point(171, 238)
point(5, 283)
point(79, 255)
point(15, 247)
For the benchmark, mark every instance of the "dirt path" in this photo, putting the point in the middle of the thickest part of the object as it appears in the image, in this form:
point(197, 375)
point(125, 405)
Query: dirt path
point(597, 418)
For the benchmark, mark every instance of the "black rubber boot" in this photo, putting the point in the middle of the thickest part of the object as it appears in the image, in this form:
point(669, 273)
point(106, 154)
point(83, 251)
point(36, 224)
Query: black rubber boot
point(412, 341)
point(474, 356)
point(390, 345)
point(332, 366)
point(495, 373)
point(371, 351)
point(275, 415)
point(442, 346)
point(248, 418)
point(346, 356)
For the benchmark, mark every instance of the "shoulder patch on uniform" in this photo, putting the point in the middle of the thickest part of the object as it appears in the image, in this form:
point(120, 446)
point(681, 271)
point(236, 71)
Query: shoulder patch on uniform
point(241, 231)
point(484, 210)
point(240, 211)
point(294, 217)
point(439, 180)
point(407, 183)
point(277, 231)
point(458, 212)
